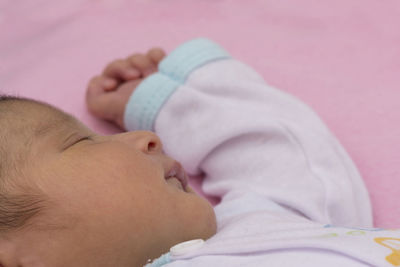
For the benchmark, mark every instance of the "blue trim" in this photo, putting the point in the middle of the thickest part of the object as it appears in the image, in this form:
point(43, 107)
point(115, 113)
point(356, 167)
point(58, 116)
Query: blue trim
point(190, 56)
point(146, 101)
point(164, 259)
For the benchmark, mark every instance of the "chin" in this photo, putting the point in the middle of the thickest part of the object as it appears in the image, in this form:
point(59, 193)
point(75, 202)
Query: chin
point(197, 218)
point(208, 227)
point(212, 227)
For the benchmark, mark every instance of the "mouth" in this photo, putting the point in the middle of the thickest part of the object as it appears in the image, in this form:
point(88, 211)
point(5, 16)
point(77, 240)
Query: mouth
point(179, 173)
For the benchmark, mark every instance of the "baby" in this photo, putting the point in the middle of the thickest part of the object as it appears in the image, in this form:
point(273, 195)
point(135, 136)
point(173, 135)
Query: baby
point(290, 194)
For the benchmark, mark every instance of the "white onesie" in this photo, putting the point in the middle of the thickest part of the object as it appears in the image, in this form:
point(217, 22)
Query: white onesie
point(290, 194)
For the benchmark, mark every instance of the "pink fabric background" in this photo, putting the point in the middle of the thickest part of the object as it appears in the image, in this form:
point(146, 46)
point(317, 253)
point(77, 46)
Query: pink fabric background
point(341, 57)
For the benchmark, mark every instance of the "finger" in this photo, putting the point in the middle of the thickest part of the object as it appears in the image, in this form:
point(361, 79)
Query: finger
point(102, 83)
point(95, 85)
point(122, 70)
point(156, 55)
point(109, 84)
point(142, 63)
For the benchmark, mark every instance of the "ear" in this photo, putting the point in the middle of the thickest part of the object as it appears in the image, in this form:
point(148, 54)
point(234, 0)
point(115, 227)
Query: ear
point(8, 255)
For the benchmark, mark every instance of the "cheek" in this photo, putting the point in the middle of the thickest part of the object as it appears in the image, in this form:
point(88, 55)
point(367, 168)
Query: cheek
point(115, 184)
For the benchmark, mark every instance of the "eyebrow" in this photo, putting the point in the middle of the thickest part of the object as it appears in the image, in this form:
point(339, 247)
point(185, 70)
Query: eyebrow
point(58, 129)
point(45, 129)
point(52, 126)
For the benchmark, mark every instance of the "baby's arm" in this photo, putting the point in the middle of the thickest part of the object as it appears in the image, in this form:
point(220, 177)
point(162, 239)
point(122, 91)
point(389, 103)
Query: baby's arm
point(217, 116)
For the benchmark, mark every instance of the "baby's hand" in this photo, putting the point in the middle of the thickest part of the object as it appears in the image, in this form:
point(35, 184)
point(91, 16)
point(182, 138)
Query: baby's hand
point(107, 94)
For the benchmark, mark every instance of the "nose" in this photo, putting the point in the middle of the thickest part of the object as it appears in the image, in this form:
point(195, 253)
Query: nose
point(146, 141)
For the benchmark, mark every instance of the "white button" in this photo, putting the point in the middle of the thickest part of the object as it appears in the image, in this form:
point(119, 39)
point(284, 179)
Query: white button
point(185, 247)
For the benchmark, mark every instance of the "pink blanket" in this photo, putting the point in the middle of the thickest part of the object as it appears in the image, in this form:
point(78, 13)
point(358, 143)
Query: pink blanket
point(341, 57)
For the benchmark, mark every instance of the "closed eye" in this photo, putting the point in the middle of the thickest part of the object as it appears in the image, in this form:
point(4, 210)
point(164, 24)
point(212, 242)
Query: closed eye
point(83, 139)
point(80, 140)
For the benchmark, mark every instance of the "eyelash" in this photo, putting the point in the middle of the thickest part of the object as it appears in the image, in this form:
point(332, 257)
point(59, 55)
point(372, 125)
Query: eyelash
point(82, 139)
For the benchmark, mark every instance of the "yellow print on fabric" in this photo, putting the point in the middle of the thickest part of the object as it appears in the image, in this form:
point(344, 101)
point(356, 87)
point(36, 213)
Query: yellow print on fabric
point(392, 244)
point(389, 242)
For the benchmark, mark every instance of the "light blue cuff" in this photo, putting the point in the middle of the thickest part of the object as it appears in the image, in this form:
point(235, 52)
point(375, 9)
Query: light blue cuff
point(146, 101)
point(162, 260)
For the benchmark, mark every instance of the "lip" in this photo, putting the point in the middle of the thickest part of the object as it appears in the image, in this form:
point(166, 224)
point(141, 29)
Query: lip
point(178, 172)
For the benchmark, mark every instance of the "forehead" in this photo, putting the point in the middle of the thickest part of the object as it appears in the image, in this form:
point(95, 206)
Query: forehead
point(29, 128)
point(39, 120)
point(51, 121)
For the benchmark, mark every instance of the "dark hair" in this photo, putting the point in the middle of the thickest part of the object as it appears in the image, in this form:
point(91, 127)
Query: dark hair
point(19, 203)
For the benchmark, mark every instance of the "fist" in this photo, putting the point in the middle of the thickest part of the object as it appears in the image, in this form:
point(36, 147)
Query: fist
point(107, 94)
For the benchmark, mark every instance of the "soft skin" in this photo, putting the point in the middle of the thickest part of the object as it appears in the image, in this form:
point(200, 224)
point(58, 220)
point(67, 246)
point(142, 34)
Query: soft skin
point(109, 203)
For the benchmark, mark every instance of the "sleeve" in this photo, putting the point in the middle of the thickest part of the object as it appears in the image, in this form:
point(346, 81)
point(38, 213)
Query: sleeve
point(219, 118)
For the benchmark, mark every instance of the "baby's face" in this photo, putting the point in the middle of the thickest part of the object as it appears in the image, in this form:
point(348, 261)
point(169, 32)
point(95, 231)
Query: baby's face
point(110, 202)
